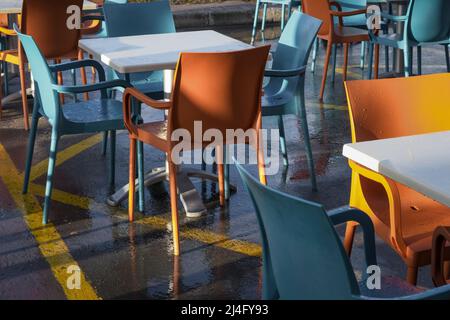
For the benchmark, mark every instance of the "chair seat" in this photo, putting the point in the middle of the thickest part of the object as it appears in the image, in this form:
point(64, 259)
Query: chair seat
point(271, 104)
point(391, 40)
point(420, 216)
point(154, 133)
point(391, 287)
point(351, 34)
point(94, 115)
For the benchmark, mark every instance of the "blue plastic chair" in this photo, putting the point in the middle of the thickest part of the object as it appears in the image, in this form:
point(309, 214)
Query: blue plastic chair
point(284, 3)
point(285, 91)
point(134, 19)
point(72, 118)
point(303, 257)
point(97, 14)
point(425, 22)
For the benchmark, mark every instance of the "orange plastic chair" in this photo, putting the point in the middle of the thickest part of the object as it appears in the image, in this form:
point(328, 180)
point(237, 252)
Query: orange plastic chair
point(208, 87)
point(334, 34)
point(10, 56)
point(46, 22)
point(389, 108)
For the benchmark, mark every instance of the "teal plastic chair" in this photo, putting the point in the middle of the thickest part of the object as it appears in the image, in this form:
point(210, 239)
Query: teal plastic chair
point(303, 257)
point(71, 118)
point(284, 3)
point(285, 91)
point(97, 14)
point(426, 22)
point(134, 19)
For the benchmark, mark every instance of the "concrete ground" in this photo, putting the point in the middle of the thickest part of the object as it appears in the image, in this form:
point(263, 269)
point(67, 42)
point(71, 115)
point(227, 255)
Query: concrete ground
point(117, 260)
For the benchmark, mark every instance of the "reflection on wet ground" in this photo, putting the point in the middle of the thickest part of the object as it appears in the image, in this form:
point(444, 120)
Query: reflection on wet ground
point(220, 252)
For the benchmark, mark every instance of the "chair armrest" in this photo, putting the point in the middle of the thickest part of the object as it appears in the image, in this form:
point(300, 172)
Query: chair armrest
point(127, 106)
point(80, 64)
point(285, 73)
point(92, 87)
point(348, 13)
point(393, 195)
point(7, 31)
point(347, 214)
point(440, 237)
point(92, 18)
point(393, 18)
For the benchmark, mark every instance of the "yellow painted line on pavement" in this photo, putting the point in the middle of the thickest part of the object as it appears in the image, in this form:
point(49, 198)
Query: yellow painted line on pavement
point(40, 168)
point(52, 246)
point(201, 235)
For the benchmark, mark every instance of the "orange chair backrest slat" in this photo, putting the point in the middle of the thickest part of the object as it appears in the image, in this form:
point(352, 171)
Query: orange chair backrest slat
point(3, 20)
point(46, 22)
point(398, 107)
point(319, 9)
point(222, 89)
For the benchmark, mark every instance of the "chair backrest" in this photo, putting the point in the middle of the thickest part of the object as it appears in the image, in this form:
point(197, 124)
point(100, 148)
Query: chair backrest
point(3, 20)
point(294, 47)
point(42, 77)
point(429, 21)
point(301, 247)
point(222, 89)
point(46, 22)
point(138, 18)
point(319, 9)
point(398, 107)
point(356, 20)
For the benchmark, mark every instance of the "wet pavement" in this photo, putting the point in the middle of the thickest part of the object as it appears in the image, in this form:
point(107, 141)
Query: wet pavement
point(117, 260)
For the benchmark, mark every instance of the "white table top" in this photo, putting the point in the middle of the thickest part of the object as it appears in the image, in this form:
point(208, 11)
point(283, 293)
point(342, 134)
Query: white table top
point(15, 6)
point(157, 51)
point(421, 162)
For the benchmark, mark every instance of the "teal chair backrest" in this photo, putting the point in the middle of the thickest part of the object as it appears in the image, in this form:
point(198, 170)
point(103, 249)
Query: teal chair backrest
point(138, 18)
point(303, 257)
point(429, 21)
point(294, 47)
point(356, 20)
point(42, 77)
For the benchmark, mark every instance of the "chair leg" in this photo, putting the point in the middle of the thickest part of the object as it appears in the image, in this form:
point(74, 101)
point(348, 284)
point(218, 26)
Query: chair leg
point(23, 87)
point(140, 163)
point(411, 276)
point(362, 56)
point(131, 180)
point(377, 60)
point(30, 147)
point(50, 173)
point(406, 59)
point(306, 138)
point(350, 230)
point(283, 147)
point(283, 13)
point(325, 70)
point(447, 57)
point(346, 45)
point(263, 22)
point(419, 60)
point(1, 95)
point(260, 157)
point(59, 76)
point(314, 55)
point(105, 142)
point(112, 159)
point(370, 65)
point(221, 174)
point(255, 22)
point(174, 206)
point(333, 73)
point(83, 75)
